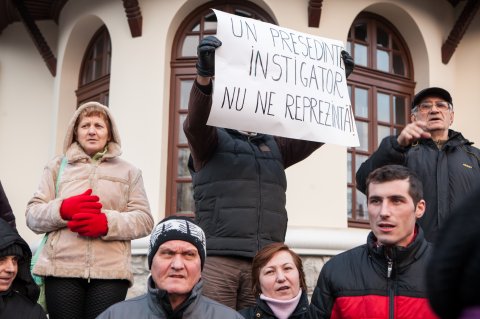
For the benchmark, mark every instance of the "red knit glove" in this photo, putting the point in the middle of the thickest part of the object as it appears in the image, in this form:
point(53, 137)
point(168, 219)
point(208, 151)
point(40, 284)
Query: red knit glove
point(83, 203)
point(90, 225)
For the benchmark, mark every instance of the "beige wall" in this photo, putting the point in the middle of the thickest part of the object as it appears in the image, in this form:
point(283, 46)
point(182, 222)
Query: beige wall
point(139, 96)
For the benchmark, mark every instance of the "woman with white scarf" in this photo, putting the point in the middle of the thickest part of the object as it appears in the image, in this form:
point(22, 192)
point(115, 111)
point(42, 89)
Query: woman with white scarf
point(279, 285)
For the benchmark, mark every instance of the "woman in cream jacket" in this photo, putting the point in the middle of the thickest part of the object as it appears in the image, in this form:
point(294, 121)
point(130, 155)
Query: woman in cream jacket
point(92, 205)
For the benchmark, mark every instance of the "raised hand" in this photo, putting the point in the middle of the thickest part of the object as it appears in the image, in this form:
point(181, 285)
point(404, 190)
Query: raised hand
point(348, 61)
point(206, 56)
point(412, 132)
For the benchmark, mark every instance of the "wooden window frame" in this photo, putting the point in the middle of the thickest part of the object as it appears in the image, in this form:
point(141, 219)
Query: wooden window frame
point(375, 81)
point(96, 89)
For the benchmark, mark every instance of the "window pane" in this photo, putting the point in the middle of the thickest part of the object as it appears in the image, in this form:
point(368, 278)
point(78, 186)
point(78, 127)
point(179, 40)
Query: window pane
point(399, 116)
point(182, 139)
point(359, 159)
point(349, 202)
point(210, 22)
point(382, 131)
point(182, 171)
point(395, 45)
point(243, 13)
point(360, 54)
point(98, 69)
point(361, 102)
point(398, 67)
point(383, 107)
point(382, 61)
point(349, 168)
point(185, 87)
point(185, 198)
point(210, 26)
point(362, 130)
point(361, 32)
point(362, 213)
point(189, 47)
point(382, 38)
point(196, 27)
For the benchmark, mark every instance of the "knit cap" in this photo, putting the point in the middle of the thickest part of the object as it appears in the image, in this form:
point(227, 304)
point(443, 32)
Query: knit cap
point(12, 250)
point(177, 228)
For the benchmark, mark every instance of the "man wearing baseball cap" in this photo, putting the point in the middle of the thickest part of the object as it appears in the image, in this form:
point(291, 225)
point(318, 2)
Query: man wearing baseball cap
point(176, 256)
point(446, 162)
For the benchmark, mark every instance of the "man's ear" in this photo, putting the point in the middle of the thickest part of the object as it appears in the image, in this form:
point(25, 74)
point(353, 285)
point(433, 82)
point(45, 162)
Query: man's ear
point(413, 118)
point(420, 208)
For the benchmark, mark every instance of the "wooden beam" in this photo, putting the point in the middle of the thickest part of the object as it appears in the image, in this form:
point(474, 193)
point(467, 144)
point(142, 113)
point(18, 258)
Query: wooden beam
point(314, 13)
point(37, 37)
point(134, 17)
point(463, 21)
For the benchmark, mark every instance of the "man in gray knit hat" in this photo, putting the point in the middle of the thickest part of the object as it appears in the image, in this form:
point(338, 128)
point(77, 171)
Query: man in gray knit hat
point(176, 256)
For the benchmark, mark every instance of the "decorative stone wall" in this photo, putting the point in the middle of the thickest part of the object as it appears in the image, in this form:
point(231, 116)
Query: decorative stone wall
point(311, 265)
point(140, 275)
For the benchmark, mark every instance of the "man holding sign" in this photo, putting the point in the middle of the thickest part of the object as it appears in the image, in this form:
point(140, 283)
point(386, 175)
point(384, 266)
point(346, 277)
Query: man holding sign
point(239, 187)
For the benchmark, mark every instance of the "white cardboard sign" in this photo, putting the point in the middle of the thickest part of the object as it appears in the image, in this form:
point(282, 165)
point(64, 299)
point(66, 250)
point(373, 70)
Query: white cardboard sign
point(278, 81)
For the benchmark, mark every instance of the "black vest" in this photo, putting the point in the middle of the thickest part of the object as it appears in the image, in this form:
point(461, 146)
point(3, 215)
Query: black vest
point(240, 195)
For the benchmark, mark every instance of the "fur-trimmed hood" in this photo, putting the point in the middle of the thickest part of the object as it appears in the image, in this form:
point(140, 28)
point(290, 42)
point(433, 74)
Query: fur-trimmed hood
point(114, 146)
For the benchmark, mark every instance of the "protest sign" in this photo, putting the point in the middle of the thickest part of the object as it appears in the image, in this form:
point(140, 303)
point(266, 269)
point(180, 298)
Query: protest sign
point(278, 81)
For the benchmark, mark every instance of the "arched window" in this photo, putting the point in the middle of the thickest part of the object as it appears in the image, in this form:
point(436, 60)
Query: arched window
point(94, 81)
point(198, 24)
point(380, 91)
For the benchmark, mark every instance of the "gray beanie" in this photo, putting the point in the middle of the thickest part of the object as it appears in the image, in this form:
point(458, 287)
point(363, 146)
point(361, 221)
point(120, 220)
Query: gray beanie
point(177, 228)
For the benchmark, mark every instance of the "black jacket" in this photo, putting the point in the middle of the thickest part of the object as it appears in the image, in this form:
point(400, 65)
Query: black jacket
point(240, 195)
point(453, 277)
point(364, 283)
point(261, 310)
point(20, 301)
point(448, 175)
point(6, 212)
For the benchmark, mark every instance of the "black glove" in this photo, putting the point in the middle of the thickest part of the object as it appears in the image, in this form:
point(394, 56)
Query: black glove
point(206, 56)
point(348, 61)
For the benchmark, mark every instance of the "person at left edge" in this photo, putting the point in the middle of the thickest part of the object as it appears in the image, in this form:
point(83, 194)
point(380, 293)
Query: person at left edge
point(18, 291)
point(101, 205)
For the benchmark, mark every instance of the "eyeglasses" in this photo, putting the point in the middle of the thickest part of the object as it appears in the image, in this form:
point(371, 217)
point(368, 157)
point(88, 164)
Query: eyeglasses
point(427, 106)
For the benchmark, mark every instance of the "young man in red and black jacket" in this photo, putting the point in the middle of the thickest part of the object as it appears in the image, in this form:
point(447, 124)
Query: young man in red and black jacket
point(384, 278)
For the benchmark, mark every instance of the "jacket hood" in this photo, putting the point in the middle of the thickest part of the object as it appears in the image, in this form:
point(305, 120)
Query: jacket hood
point(23, 282)
point(69, 136)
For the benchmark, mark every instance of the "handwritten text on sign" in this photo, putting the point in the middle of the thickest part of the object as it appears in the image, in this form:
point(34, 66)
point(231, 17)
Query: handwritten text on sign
point(281, 82)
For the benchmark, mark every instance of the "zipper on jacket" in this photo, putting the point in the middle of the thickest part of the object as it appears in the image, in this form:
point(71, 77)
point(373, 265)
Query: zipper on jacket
point(89, 254)
point(389, 267)
point(390, 288)
point(259, 190)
